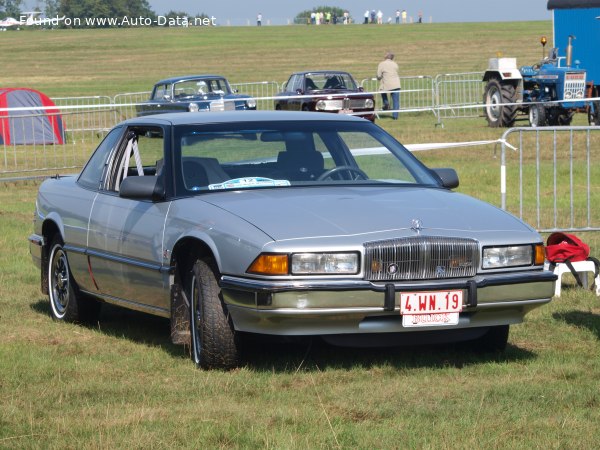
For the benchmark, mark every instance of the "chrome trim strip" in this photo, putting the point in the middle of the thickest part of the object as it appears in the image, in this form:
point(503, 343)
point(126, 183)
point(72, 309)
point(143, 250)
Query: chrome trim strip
point(120, 259)
point(252, 285)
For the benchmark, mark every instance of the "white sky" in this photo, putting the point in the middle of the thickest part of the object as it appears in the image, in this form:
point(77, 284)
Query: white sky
point(278, 12)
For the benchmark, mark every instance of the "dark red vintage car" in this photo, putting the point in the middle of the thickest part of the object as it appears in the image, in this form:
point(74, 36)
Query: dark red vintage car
point(326, 91)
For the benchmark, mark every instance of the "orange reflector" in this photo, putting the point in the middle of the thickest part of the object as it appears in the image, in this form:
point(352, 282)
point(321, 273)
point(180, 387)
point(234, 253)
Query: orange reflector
point(540, 255)
point(270, 264)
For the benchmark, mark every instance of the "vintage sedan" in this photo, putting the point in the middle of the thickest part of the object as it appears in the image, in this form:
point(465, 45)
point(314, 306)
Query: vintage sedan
point(327, 91)
point(194, 93)
point(284, 224)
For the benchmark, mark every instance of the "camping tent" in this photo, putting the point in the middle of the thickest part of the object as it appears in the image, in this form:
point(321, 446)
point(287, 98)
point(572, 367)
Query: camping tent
point(32, 118)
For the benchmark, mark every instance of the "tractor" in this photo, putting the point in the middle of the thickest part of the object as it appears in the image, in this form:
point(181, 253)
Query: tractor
point(548, 92)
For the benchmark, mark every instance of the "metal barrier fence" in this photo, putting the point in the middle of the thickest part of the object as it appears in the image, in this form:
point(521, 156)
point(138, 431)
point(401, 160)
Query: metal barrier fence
point(417, 93)
point(260, 90)
point(554, 175)
point(125, 103)
point(42, 153)
point(457, 93)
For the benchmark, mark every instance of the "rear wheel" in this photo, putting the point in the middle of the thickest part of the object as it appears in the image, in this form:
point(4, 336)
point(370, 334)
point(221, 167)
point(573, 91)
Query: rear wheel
point(594, 114)
point(499, 100)
point(214, 341)
point(66, 302)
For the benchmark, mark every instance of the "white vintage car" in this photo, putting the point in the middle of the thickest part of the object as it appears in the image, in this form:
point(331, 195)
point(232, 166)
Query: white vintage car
point(282, 223)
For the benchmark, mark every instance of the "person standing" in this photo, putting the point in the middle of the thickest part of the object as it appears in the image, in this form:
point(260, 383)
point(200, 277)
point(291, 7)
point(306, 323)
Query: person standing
point(259, 20)
point(389, 81)
point(404, 16)
point(397, 16)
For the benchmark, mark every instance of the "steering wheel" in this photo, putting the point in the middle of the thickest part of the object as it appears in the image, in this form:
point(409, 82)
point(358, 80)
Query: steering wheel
point(358, 174)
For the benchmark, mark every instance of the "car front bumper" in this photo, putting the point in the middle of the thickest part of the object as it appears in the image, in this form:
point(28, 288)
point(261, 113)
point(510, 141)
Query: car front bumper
point(348, 307)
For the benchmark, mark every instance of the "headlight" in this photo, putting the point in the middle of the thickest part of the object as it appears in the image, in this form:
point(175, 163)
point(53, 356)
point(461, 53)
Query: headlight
point(193, 107)
point(324, 263)
point(512, 256)
point(369, 103)
point(321, 105)
point(579, 94)
point(568, 94)
point(251, 103)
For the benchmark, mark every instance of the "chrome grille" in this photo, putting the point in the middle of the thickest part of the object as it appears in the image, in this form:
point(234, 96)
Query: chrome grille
point(421, 258)
point(357, 103)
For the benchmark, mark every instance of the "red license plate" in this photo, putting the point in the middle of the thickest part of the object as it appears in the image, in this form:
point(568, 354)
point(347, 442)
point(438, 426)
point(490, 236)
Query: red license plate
point(431, 302)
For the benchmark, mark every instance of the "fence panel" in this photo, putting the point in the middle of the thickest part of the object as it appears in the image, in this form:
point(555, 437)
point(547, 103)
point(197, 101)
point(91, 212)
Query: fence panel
point(83, 130)
point(125, 103)
point(457, 95)
point(554, 175)
point(259, 90)
point(417, 93)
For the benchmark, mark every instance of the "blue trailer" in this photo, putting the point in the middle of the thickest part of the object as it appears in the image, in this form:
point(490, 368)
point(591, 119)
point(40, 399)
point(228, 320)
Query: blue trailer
point(581, 18)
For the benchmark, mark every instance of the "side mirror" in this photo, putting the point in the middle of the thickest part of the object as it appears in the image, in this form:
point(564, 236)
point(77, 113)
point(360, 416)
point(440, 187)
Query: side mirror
point(142, 188)
point(299, 92)
point(448, 177)
point(361, 89)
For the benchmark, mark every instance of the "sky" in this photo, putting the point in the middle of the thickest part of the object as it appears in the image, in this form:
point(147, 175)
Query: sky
point(279, 12)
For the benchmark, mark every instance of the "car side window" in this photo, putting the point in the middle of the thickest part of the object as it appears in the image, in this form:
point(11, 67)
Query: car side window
point(91, 175)
point(160, 91)
point(141, 154)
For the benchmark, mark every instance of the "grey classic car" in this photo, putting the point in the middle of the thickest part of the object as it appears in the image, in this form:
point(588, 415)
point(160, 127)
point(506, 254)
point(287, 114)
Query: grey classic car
point(194, 93)
point(281, 223)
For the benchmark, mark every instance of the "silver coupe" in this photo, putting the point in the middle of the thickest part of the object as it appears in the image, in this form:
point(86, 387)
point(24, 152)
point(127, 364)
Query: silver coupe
point(285, 224)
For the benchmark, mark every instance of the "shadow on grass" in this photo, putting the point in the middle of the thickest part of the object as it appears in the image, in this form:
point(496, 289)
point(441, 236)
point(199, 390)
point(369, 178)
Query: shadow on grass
point(132, 325)
point(581, 319)
point(289, 355)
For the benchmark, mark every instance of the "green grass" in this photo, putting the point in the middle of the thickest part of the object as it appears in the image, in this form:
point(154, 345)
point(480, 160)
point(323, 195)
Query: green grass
point(122, 384)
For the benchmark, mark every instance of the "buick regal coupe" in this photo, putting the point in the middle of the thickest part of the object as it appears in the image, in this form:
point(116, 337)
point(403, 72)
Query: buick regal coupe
point(326, 91)
point(286, 224)
point(194, 93)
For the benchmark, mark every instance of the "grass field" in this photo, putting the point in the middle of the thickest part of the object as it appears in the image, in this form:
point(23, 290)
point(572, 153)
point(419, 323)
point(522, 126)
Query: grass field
point(122, 384)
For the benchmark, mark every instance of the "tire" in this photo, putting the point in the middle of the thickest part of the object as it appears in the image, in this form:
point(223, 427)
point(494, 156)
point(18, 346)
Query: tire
point(537, 116)
point(214, 341)
point(594, 117)
point(66, 302)
point(494, 340)
point(496, 94)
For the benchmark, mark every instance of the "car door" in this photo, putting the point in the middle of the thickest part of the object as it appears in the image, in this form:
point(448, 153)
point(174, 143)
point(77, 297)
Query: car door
point(125, 235)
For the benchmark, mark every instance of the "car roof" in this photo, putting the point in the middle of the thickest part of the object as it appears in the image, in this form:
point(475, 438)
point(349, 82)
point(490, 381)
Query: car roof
point(321, 71)
point(187, 78)
point(191, 118)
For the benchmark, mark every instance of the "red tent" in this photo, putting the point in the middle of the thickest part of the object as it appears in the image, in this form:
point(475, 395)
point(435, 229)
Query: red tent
point(35, 119)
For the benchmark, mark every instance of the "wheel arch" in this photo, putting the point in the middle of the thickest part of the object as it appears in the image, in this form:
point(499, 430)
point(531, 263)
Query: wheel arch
point(186, 252)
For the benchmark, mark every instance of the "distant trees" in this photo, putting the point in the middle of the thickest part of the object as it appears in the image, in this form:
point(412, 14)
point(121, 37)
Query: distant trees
point(10, 8)
point(303, 17)
point(105, 9)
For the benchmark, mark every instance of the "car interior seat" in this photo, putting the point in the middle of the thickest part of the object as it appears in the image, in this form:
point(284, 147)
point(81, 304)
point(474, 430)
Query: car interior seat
point(300, 161)
point(200, 172)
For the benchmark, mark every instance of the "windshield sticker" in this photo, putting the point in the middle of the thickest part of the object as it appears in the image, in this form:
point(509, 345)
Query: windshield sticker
point(239, 183)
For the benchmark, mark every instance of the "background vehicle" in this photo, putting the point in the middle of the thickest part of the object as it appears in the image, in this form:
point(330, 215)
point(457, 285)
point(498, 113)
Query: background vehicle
point(580, 18)
point(194, 93)
point(549, 92)
point(326, 91)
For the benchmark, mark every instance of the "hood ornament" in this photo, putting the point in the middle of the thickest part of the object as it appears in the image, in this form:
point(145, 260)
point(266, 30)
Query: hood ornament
point(416, 225)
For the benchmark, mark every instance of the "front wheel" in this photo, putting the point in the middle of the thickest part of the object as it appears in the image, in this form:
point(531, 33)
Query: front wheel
point(66, 302)
point(214, 341)
point(537, 115)
point(494, 340)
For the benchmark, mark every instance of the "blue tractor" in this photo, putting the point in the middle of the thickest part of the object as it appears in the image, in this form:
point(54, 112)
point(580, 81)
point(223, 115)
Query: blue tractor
point(549, 92)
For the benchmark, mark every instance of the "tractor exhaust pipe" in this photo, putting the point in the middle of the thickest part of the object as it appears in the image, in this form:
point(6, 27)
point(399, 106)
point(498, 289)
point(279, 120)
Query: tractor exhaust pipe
point(570, 51)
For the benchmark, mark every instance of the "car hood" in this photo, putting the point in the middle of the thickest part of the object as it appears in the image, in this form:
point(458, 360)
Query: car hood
point(296, 213)
point(339, 92)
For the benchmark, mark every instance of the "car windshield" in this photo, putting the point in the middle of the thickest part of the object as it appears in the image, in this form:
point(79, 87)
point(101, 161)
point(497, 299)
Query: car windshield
point(291, 153)
point(195, 88)
point(318, 81)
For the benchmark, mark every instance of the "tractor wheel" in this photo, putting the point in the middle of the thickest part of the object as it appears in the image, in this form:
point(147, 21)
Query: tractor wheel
point(495, 98)
point(594, 116)
point(537, 115)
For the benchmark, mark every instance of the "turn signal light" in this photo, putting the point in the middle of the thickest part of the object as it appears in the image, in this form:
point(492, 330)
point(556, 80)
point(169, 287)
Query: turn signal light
point(540, 254)
point(270, 264)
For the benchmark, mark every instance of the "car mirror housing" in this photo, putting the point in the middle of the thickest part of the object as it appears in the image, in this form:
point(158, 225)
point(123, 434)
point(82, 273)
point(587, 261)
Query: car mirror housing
point(142, 188)
point(361, 89)
point(299, 92)
point(447, 176)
